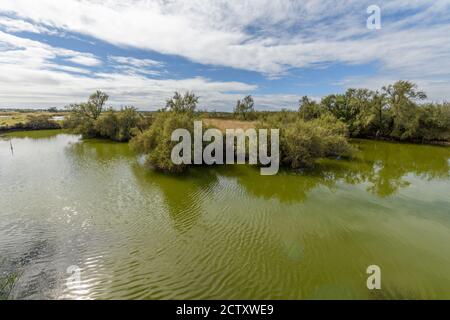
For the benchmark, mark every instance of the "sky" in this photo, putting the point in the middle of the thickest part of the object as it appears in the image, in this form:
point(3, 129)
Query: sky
point(54, 53)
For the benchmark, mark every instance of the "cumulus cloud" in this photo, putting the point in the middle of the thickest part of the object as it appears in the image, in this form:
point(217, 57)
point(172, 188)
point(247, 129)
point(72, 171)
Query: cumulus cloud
point(284, 33)
point(31, 76)
point(85, 60)
point(272, 37)
point(138, 63)
point(18, 25)
point(132, 65)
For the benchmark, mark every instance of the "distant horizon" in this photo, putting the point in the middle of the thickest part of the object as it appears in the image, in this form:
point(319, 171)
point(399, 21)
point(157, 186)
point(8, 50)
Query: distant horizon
point(56, 53)
point(229, 109)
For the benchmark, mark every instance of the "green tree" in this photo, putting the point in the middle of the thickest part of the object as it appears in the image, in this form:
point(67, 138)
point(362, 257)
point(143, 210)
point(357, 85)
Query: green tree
point(377, 121)
point(91, 109)
point(309, 109)
point(91, 120)
point(401, 98)
point(358, 112)
point(129, 121)
point(182, 103)
point(303, 142)
point(107, 125)
point(117, 125)
point(156, 142)
point(434, 122)
point(95, 104)
point(244, 108)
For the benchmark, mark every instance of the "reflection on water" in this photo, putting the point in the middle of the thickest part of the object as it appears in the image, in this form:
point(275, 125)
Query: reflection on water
point(222, 232)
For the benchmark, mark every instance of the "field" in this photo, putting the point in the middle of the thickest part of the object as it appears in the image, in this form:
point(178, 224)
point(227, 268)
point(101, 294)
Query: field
point(223, 124)
point(12, 118)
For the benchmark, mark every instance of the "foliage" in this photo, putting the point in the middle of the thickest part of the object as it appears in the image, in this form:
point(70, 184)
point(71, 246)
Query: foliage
point(6, 285)
point(156, 141)
point(302, 142)
point(401, 98)
point(117, 126)
point(93, 108)
point(33, 122)
point(394, 113)
point(180, 103)
point(90, 120)
point(41, 122)
point(309, 109)
point(244, 109)
point(434, 122)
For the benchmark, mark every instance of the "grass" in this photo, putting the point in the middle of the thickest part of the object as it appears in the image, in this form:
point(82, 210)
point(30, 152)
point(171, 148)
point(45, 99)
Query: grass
point(223, 124)
point(6, 285)
point(12, 118)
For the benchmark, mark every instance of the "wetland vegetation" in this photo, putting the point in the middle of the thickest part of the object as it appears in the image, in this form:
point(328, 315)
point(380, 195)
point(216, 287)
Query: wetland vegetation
point(82, 197)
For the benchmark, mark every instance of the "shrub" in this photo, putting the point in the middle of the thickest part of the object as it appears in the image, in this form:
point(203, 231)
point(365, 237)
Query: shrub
point(40, 122)
point(309, 109)
point(244, 109)
point(90, 120)
point(117, 126)
point(434, 122)
point(303, 142)
point(182, 103)
point(156, 141)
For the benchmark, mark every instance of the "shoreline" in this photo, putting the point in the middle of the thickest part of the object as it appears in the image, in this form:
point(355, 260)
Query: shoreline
point(417, 142)
point(9, 130)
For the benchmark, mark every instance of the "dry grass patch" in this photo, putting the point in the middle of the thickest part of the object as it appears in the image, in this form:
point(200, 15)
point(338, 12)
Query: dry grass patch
point(12, 118)
point(223, 124)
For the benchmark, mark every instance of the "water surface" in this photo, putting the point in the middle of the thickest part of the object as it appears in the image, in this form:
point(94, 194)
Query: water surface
point(224, 232)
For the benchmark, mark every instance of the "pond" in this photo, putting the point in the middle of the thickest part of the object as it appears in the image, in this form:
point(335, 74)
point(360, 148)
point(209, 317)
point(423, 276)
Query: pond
point(221, 232)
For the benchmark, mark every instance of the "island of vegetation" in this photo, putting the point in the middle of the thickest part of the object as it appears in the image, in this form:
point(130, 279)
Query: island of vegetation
point(316, 130)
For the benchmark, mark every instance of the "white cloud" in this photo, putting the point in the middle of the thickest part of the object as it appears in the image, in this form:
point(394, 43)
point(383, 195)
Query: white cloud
point(132, 65)
point(17, 25)
point(85, 60)
point(285, 33)
point(31, 77)
point(267, 36)
point(138, 63)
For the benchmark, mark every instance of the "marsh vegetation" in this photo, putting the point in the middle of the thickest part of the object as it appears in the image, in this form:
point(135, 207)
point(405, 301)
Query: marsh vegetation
point(317, 130)
point(29, 120)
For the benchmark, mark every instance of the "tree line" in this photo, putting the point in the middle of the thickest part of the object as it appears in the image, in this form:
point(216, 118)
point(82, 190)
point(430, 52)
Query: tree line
point(394, 112)
point(316, 130)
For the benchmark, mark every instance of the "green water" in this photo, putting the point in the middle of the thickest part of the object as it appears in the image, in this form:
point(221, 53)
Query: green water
point(224, 232)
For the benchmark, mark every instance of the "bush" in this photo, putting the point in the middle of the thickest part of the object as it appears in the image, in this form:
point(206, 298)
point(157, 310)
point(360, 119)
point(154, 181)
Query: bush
point(309, 109)
point(91, 121)
point(244, 109)
point(39, 122)
point(156, 141)
point(117, 126)
point(80, 125)
point(303, 142)
point(434, 122)
point(182, 103)
point(394, 113)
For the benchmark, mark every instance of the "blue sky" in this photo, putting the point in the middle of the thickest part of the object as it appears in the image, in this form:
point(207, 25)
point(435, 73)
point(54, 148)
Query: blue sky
point(53, 53)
